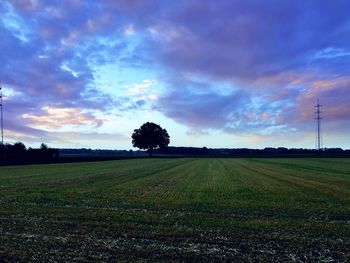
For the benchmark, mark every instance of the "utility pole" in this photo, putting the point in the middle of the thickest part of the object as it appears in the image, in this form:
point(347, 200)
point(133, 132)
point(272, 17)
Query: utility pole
point(318, 132)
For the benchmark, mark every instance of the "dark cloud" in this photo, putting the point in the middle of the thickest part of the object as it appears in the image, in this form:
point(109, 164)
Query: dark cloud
point(250, 39)
point(272, 50)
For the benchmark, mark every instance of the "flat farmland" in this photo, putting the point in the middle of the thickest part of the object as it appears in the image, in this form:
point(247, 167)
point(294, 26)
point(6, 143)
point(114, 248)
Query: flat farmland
point(180, 209)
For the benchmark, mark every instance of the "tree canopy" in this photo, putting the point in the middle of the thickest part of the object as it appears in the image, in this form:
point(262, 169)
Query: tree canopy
point(150, 136)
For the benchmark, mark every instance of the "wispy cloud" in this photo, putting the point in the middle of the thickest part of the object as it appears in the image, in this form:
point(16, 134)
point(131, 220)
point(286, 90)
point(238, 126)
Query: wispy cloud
point(53, 118)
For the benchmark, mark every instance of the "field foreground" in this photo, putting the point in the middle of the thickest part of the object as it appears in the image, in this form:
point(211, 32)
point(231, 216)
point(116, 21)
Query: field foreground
point(295, 210)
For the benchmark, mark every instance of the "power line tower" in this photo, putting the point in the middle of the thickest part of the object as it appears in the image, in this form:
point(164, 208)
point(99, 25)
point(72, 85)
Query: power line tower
point(318, 118)
point(1, 116)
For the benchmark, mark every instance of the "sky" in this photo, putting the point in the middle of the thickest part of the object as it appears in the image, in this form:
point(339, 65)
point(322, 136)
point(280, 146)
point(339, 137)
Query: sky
point(225, 73)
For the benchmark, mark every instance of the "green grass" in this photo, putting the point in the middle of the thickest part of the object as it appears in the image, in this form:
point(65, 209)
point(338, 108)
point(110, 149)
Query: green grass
point(177, 209)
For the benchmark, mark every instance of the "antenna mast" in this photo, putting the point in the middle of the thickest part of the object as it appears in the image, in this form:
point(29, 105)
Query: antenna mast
point(318, 132)
point(1, 116)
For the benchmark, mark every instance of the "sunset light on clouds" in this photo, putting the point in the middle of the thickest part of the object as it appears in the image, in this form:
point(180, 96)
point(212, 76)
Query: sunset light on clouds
point(223, 73)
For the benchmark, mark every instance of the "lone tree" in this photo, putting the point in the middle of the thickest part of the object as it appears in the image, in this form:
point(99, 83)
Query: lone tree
point(150, 136)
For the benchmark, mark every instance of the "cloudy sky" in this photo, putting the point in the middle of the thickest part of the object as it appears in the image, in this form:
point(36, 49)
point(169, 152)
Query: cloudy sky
point(220, 73)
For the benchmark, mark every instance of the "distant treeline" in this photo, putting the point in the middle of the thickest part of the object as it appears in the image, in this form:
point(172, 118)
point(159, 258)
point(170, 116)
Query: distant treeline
point(99, 152)
point(204, 151)
point(269, 151)
point(18, 152)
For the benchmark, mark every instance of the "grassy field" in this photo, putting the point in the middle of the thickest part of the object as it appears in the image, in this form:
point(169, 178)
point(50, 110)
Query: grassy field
point(295, 210)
